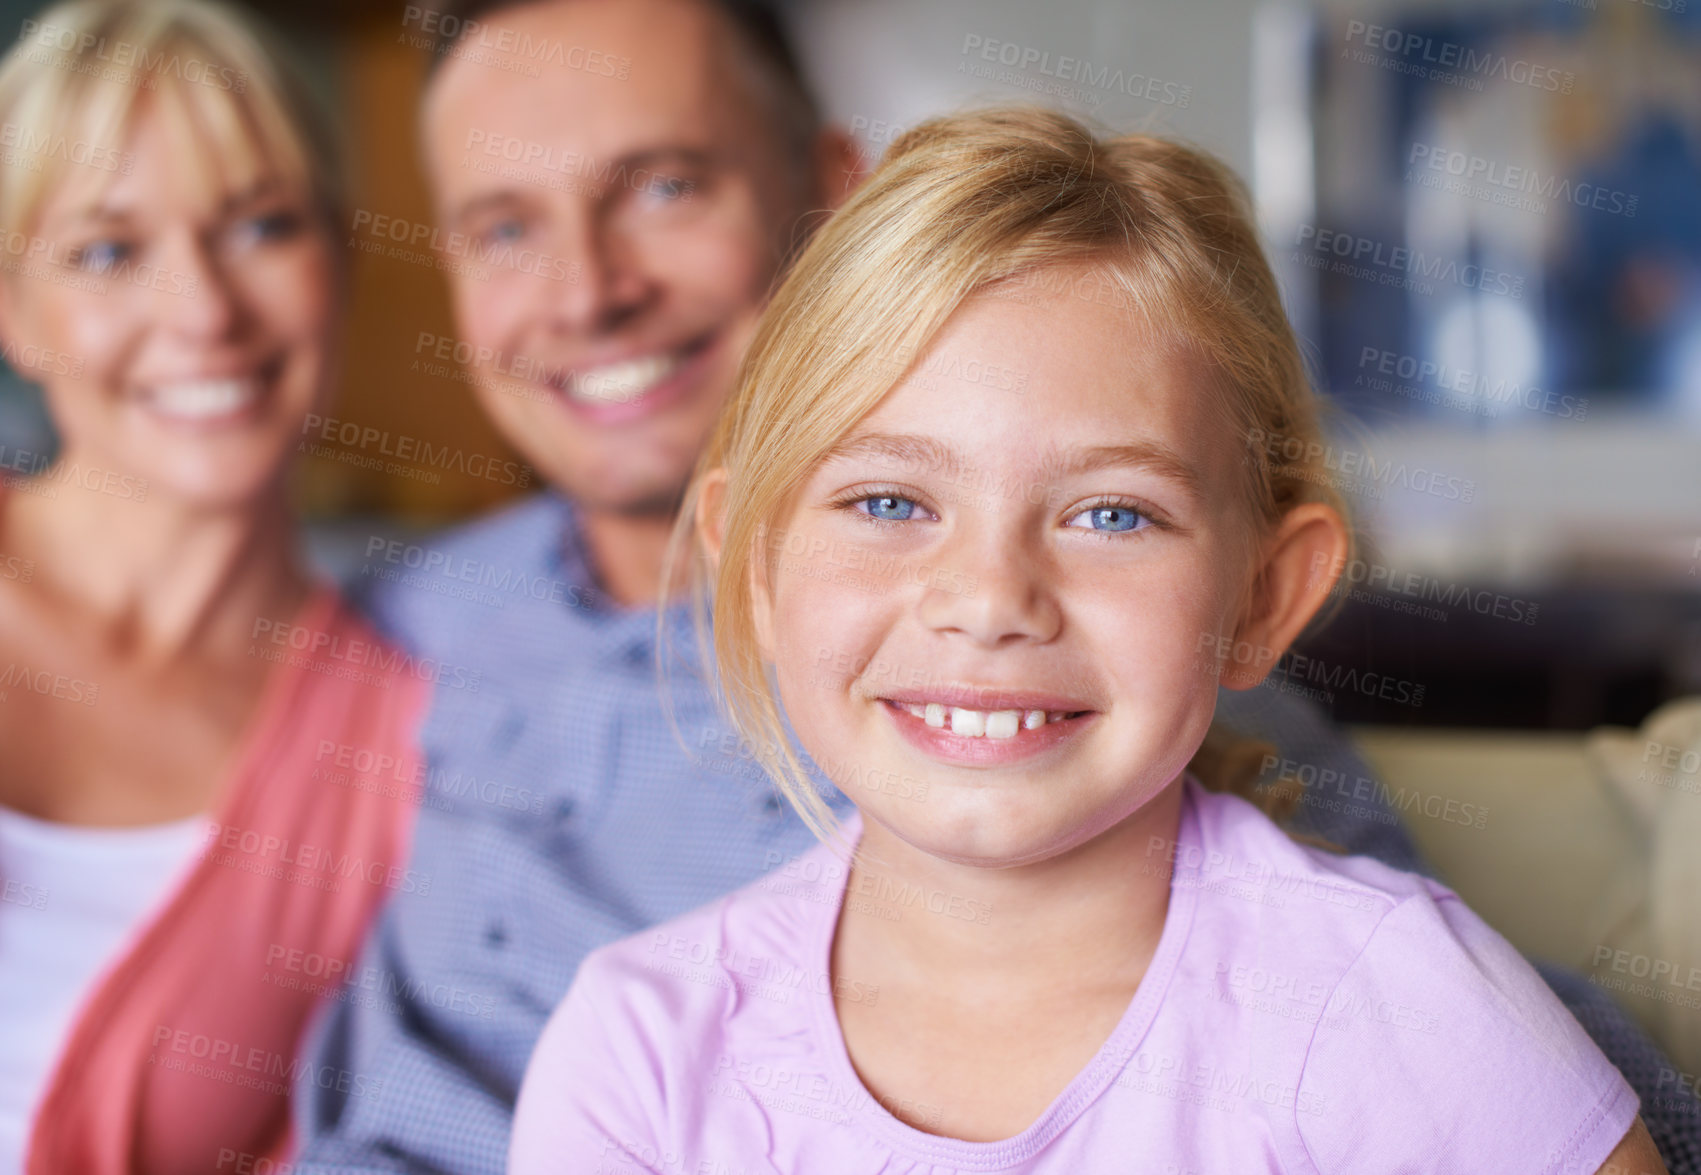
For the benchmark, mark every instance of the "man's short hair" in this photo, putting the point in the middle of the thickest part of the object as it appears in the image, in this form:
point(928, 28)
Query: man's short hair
point(756, 29)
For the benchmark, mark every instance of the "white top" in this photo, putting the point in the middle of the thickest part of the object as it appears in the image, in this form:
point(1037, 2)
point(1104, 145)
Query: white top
point(71, 899)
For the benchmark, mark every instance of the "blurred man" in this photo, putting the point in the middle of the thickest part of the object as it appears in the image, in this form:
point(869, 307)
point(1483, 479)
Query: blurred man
point(619, 183)
point(622, 181)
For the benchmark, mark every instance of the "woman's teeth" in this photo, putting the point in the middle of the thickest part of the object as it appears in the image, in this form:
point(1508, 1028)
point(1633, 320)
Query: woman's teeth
point(621, 383)
point(201, 399)
point(983, 723)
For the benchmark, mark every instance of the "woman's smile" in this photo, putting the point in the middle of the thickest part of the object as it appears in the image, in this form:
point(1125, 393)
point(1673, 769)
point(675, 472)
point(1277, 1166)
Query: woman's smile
point(225, 398)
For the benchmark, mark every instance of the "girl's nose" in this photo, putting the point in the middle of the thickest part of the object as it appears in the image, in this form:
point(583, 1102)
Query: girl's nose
point(1003, 595)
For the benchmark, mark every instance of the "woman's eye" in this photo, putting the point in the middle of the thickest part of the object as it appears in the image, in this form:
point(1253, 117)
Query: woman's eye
point(275, 226)
point(1110, 519)
point(99, 256)
point(887, 507)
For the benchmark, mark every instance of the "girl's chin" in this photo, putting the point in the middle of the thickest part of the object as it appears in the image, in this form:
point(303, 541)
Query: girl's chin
point(982, 835)
point(1003, 826)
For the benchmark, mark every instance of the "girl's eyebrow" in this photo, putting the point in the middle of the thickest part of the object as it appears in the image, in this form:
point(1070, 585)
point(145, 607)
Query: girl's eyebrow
point(1059, 464)
point(1153, 456)
point(904, 448)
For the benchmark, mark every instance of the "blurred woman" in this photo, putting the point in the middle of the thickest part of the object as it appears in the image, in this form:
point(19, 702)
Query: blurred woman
point(189, 849)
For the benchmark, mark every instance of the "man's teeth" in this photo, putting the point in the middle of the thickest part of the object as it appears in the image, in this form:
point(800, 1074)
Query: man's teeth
point(202, 398)
point(621, 383)
point(983, 723)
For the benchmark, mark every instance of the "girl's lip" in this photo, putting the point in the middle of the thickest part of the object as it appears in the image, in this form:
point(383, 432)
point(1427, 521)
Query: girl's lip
point(985, 698)
point(664, 394)
point(940, 743)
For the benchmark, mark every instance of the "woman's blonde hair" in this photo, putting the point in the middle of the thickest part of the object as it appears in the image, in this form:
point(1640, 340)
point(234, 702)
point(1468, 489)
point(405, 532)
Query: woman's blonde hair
point(72, 86)
point(1017, 199)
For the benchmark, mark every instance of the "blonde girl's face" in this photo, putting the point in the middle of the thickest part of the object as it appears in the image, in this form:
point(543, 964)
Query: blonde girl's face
point(994, 608)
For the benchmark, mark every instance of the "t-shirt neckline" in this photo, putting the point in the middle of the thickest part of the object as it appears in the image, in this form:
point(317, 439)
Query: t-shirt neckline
point(1088, 1085)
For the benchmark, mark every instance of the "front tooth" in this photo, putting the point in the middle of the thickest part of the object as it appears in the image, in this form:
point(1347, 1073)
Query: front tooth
point(916, 708)
point(208, 397)
point(1003, 723)
point(621, 382)
point(969, 722)
point(934, 714)
point(1033, 719)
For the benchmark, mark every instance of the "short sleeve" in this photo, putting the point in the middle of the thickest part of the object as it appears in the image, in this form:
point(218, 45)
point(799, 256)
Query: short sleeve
point(1442, 1050)
point(580, 1106)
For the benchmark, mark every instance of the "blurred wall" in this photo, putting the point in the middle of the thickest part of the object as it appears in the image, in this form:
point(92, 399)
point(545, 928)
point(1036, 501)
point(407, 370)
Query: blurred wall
point(1180, 69)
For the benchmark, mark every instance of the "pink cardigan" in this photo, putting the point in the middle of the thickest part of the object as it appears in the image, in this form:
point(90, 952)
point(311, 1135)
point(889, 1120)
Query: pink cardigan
point(183, 1056)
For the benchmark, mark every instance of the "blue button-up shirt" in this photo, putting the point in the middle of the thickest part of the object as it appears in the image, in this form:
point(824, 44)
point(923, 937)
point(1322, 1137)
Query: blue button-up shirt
point(561, 812)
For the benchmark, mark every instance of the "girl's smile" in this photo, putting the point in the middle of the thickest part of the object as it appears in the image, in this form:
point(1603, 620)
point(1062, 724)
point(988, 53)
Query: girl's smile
point(1032, 725)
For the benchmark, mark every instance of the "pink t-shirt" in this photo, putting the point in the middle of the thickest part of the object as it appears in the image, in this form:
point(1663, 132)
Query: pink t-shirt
point(1303, 1012)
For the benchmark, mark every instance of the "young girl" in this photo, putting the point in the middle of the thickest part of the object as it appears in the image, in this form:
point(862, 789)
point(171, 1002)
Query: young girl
point(1005, 489)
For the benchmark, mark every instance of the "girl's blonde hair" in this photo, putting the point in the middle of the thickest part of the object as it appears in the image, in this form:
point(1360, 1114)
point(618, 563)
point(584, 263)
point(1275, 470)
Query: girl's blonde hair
point(1015, 199)
point(71, 88)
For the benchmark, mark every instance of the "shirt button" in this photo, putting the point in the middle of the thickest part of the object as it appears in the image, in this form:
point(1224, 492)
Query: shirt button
point(508, 733)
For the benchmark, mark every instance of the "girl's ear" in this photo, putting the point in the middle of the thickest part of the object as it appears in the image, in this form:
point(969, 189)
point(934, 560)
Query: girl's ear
point(762, 608)
point(710, 520)
point(1301, 562)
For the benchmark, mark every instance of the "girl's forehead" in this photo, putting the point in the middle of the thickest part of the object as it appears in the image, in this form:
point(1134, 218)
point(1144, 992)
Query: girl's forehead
point(1079, 327)
point(1048, 389)
point(1054, 365)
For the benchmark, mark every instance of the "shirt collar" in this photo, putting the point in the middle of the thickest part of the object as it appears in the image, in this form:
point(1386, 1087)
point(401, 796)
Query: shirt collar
point(625, 634)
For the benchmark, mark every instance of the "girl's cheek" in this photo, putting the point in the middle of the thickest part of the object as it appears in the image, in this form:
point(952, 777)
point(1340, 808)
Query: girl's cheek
point(812, 619)
point(829, 631)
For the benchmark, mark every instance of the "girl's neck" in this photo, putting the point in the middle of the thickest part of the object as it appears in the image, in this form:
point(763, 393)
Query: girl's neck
point(1092, 916)
point(156, 578)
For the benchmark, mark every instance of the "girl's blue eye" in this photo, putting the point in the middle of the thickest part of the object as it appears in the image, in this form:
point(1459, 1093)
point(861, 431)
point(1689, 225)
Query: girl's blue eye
point(505, 230)
point(887, 507)
point(1108, 519)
